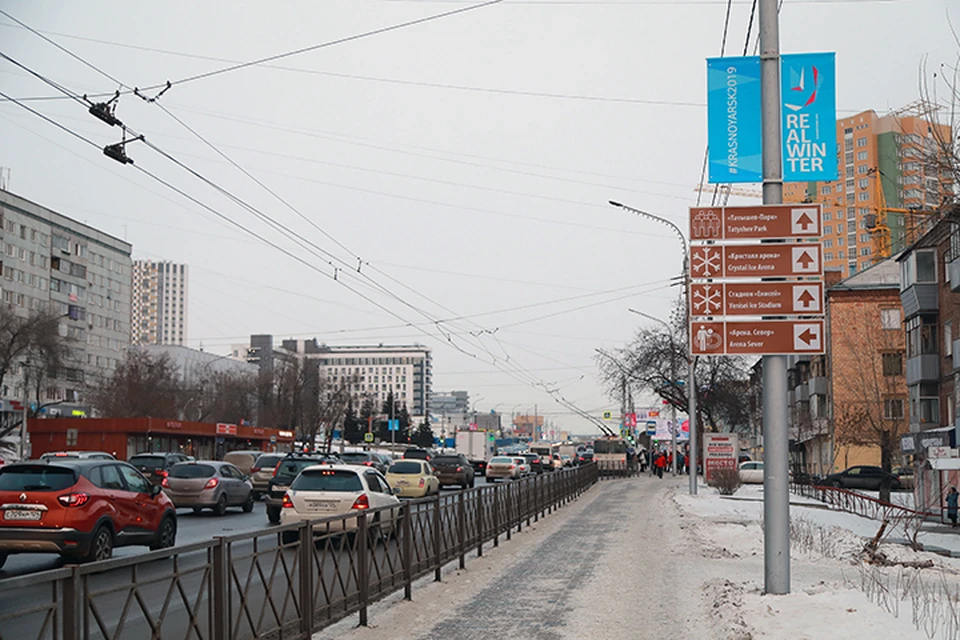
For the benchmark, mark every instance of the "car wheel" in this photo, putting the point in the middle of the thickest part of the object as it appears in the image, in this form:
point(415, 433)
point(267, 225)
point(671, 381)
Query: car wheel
point(248, 504)
point(3, 558)
point(221, 507)
point(273, 515)
point(101, 547)
point(166, 535)
point(197, 510)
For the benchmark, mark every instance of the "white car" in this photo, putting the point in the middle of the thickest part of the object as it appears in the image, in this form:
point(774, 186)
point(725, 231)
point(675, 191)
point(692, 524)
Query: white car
point(321, 491)
point(506, 468)
point(751, 472)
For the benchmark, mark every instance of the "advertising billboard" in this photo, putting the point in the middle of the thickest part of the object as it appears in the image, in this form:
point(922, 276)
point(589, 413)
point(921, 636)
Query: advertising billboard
point(733, 120)
point(808, 95)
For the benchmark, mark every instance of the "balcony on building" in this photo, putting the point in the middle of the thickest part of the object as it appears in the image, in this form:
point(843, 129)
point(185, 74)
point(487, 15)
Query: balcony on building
point(817, 385)
point(923, 355)
point(956, 354)
point(918, 283)
point(953, 273)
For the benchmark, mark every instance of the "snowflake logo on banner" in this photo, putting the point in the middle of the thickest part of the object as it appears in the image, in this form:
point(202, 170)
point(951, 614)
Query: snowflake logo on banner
point(706, 262)
point(707, 300)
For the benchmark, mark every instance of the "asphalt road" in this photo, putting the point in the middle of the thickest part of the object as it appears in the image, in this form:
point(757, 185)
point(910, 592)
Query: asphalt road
point(191, 528)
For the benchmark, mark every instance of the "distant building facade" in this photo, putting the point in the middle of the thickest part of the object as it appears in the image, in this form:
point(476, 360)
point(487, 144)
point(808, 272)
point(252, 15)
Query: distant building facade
point(449, 402)
point(160, 296)
point(52, 261)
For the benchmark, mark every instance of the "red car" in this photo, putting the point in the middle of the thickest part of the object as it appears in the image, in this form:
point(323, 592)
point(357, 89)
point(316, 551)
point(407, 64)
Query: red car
point(81, 509)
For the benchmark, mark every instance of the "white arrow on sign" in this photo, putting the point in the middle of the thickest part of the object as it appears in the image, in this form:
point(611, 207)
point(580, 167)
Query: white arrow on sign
point(806, 298)
point(804, 221)
point(806, 337)
point(805, 259)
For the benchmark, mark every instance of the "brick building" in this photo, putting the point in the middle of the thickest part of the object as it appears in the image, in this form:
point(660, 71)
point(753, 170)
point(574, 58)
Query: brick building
point(847, 402)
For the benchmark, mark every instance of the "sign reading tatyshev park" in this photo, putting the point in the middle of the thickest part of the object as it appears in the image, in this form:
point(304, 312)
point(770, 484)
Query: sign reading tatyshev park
point(808, 118)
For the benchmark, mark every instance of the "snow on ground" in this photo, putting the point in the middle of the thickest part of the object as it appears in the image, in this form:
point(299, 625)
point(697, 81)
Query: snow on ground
point(850, 600)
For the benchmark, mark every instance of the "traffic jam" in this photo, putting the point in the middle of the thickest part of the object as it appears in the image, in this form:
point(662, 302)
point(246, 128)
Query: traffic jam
point(85, 506)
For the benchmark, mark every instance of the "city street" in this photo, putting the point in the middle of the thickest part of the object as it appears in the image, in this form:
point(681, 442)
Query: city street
point(191, 528)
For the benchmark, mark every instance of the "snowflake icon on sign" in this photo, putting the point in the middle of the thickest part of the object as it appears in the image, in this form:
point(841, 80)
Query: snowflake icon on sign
point(707, 300)
point(706, 262)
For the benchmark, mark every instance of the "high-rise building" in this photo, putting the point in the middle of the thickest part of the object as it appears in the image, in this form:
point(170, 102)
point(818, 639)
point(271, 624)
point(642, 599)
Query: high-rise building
point(54, 262)
point(159, 302)
point(889, 183)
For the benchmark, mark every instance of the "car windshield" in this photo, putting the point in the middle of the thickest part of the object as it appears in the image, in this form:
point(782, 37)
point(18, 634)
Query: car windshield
point(267, 462)
point(333, 480)
point(500, 460)
point(293, 467)
point(147, 462)
point(355, 457)
point(446, 460)
point(36, 478)
point(192, 471)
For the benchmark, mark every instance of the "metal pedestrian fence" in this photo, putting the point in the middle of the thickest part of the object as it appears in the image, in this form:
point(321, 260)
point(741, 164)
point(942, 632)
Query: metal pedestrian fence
point(279, 582)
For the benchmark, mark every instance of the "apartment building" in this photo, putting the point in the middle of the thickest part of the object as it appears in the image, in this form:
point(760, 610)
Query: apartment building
point(930, 294)
point(449, 402)
point(52, 261)
point(888, 185)
point(160, 296)
point(369, 371)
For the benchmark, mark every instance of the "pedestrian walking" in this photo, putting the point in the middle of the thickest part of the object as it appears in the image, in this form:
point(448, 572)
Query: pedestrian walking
point(952, 498)
point(660, 464)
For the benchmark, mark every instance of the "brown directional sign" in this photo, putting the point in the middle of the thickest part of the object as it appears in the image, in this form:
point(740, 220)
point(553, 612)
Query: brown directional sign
point(756, 298)
point(760, 337)
point(756, 260)
point(755, 223)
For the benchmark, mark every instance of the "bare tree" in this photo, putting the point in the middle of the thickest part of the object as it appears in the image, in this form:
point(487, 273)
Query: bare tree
point(648, 362)
point(141, 386)
point(869, 406)
point(227, 396)
point(34, 343)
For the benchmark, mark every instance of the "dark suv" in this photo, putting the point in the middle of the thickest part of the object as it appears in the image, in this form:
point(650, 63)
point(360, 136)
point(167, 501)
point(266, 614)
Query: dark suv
point(365, 458)
point(283, 476)
point(419, 454)
point(535, 462)
point(156, 466)
point(453, 469)
point(81, 509)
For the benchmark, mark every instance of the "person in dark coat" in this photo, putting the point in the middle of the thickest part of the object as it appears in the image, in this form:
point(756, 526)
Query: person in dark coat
point(952, 498)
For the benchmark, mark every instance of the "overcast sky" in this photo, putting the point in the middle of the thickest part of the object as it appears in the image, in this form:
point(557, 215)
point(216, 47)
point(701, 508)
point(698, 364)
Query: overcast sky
point(467, 161)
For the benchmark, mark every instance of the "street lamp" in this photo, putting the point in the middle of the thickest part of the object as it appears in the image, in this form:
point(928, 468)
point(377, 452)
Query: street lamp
point(691, 361)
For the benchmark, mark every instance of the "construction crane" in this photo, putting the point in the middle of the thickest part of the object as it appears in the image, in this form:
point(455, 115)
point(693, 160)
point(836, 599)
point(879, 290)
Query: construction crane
point(878, 225)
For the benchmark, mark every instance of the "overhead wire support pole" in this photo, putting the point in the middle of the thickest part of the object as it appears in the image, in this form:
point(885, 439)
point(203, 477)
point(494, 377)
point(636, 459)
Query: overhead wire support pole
point(776, 496)
point(691, 360)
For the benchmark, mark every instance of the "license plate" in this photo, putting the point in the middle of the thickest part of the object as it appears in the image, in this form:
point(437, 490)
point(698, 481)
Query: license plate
point(321, 504)
point(403, 482)
point(21, 514)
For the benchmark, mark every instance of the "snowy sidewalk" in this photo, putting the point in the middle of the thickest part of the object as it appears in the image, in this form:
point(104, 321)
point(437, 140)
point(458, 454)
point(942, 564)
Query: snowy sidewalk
point(639, 558)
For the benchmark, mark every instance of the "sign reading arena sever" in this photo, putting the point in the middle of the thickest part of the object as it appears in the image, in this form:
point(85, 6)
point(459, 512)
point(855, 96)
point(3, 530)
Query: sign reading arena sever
point(778, 283)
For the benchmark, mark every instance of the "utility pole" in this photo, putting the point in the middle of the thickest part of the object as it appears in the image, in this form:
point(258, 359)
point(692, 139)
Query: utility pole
point(776, 497)
point(673, 406)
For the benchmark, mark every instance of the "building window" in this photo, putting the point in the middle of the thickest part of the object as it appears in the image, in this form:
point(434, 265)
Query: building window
point(893, 408)
point(919, 267)
point(921, 336)
point(861, 142)
point(890, 318)
point(892, 364)
point(948, 339)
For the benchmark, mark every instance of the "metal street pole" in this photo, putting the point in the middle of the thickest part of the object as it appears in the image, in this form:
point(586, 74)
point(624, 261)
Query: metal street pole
point(692, 408)
point(776, 497)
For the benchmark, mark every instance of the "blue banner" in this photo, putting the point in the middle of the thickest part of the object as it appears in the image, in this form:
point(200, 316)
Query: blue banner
point(733, 120)
point(808, 95)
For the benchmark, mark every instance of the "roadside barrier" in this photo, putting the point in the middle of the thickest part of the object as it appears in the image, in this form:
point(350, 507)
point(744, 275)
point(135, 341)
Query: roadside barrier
point(279, 582)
